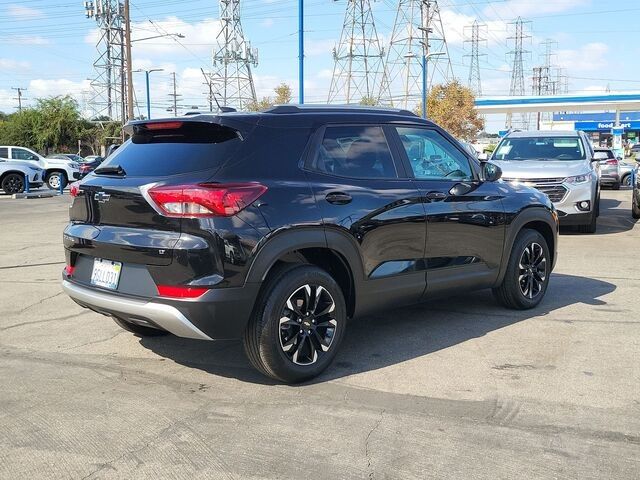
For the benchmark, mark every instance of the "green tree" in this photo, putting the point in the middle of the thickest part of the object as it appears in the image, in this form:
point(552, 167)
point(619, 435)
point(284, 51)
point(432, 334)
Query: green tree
point(452, 107)
point(60, 123)
point(22, 129)
point(283, 95)
point(369, 101)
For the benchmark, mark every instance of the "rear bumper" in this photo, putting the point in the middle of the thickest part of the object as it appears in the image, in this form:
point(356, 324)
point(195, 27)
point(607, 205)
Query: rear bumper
point(164, 316)
point(221, 313)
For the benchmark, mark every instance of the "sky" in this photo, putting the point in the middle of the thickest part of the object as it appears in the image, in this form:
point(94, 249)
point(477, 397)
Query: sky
point(48, 46)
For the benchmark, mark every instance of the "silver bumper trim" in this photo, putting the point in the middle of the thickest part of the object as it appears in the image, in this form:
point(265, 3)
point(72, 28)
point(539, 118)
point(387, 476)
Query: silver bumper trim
point(167, 317)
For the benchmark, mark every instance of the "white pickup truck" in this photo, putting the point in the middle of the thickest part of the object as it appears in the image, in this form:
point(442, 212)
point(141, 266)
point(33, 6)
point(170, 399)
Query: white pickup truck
point(57, 171)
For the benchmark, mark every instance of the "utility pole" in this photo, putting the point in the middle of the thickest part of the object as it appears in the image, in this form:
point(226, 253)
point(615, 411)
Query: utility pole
point(208, 83)
point(19, 97)
point(358, 71)
point(301, 52)
point(128, 62)
point(174, 95)
point(475, 36)
point(417, 33)
point(233, 60)
point(517, 70)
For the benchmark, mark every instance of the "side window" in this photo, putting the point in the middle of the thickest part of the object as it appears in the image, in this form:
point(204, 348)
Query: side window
point(4, 152)
point(21, 154)
point(356, 152)
point(433, 157)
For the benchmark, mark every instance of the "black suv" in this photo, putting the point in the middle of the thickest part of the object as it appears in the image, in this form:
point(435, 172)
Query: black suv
point(276, 227)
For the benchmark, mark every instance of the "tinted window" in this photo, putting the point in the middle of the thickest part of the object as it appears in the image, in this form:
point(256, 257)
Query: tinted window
point(22, 154)
point(192, 147)
point(356, 152)
point(540, 148)
point(4, 152)
point(432, 156)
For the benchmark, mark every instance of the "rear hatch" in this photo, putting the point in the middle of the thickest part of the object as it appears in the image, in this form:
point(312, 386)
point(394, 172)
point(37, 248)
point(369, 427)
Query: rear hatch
point(112, 216)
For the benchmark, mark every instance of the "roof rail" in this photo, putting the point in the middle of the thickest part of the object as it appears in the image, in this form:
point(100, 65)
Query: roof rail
point(293, 108)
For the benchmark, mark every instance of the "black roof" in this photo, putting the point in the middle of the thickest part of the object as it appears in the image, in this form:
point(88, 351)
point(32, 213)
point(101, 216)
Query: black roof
point(299, 116)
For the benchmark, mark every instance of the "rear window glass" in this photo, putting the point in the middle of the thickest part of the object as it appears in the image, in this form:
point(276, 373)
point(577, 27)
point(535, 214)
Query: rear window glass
point(193, 146)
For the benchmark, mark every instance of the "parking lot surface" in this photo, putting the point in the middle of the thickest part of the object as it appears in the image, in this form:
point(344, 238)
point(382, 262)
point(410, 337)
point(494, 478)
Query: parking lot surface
point(455, 388)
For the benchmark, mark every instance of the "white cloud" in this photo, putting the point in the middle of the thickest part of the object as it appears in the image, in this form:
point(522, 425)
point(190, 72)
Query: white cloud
point(588, 58)
point(525, 8)
point(267, 23)
point(24, 13)
point(26, 40)
point(9, 64)
point(51, 87)
point(455, 24)
point(313, 48)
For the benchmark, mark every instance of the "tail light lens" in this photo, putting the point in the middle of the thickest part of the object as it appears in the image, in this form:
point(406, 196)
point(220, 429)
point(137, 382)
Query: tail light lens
point(74, 189)
point(612, 161)
point(68, 270)
point(204, 199)
point(181, 291)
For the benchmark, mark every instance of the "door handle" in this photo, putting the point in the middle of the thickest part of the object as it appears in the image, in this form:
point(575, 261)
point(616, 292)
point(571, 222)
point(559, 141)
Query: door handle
point(436, 196)
point(338, 198)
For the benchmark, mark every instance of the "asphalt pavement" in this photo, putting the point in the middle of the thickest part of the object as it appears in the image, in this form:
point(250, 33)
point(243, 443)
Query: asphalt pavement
point(459, 388)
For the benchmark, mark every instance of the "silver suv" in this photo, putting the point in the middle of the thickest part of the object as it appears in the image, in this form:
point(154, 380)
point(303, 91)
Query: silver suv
point(562, 165)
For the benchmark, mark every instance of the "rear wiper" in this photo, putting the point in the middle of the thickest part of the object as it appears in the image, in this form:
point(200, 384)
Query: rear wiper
point(110, 170)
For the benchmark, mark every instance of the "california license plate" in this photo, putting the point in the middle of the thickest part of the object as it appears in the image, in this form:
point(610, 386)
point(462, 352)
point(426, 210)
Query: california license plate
point(106, 273)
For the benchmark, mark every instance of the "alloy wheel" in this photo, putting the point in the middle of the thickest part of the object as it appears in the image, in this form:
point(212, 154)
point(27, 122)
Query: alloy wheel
point(54, 181)
point(307, 324)
point(14, 184)
point(532, 270)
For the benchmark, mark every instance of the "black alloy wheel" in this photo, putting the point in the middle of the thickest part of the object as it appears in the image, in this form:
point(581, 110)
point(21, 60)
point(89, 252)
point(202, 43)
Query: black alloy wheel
point(13, 183)
point(532, 270)
point(307, 327)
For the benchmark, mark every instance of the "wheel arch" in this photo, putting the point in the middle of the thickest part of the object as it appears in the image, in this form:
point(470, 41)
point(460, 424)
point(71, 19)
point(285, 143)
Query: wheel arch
point(9, 172)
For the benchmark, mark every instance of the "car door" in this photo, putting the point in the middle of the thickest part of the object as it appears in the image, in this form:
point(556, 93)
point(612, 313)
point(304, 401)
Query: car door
point(365, 197)
point(465, 216)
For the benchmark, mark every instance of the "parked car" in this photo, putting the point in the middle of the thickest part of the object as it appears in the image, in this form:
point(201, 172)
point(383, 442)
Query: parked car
point(625, 173)
point(89, 164)
point(276, 227)
point(12, 176)
point(635, 149)
point(610, 171)
point(635, 197)
point(66, 156)
point(57, 171)
point(560, 164)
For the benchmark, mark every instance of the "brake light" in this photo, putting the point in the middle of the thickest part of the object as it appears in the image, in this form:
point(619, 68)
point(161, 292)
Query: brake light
point(181, 291)
point(68, 270)
point(612, 161)
point(74, 189)
point(163, 125)
point(204, 199)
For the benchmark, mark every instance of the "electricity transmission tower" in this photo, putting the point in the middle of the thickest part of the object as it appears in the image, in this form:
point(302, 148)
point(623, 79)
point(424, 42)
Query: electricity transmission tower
point(417, 33)
point(358, 73)
point(517, 70)
point(109, 98)
point(475, 35)
point(233, 59)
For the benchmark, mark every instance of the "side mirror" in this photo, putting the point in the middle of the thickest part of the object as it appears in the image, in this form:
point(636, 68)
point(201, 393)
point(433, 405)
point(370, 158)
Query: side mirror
point(599, 156)
point(491, 172)
point(483, 157)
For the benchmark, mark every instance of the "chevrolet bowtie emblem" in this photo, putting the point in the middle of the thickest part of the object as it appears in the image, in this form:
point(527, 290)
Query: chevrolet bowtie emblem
point(102, 197)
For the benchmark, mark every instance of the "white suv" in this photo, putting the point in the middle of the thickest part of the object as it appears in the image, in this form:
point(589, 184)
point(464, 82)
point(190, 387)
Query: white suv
point(562, 165)
point(58, 172)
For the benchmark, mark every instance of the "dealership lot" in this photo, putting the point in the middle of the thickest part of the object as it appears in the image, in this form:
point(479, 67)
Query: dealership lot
point(456, 388)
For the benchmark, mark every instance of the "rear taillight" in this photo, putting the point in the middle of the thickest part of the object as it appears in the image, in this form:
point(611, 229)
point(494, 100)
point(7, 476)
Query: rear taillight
point(612, 161)
point(68, 270)
point(204, 199)
point(181, 291)
point(74, 189)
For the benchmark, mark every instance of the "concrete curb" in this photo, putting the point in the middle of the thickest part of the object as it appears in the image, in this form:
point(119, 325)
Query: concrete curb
point(35, 195)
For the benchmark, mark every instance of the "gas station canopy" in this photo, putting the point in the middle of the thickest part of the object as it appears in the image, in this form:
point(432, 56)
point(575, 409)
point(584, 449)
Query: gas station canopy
point(559, 103)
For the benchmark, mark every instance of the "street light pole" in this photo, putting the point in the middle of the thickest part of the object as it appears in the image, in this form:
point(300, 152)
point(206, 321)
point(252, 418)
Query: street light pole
point(425, 93)
point(301, 51)
point(146, 75)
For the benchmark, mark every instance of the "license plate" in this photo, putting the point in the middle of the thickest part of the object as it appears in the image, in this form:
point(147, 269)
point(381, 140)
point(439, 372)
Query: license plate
point(106, 273)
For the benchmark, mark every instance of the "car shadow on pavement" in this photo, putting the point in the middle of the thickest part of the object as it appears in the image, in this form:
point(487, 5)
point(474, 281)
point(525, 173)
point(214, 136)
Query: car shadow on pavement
point(395, 336)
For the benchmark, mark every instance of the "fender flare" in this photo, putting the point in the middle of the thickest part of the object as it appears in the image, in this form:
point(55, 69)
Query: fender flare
point(536, 213)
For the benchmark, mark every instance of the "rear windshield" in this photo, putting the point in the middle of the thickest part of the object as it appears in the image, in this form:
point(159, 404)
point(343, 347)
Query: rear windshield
point(192, 146)
point(540, 148)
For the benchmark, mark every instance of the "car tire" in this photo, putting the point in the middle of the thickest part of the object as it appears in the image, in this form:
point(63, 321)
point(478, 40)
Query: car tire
point(635, 208)
point(302, 346)
point(139, 330)
point(516, 292)
point(54, 179)
point(626, 180)
point(13, 183)
point(590, 227)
